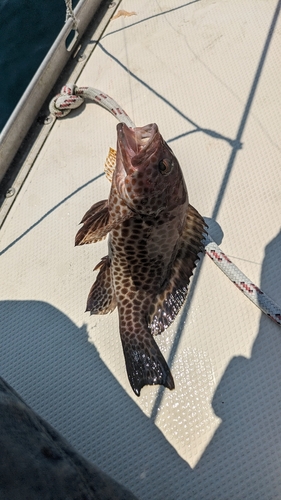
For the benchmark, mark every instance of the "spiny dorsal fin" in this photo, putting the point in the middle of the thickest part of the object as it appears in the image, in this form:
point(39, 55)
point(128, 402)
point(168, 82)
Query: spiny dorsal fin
point(110, 164)
point(168, 303)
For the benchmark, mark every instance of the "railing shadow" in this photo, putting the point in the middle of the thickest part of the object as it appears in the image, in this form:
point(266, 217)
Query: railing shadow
point(229, 168)
point(163, 13)
point(197, 128)
point(22, 235)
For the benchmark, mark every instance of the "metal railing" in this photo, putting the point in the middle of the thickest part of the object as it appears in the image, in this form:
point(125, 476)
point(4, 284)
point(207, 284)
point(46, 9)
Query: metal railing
point(41, 84)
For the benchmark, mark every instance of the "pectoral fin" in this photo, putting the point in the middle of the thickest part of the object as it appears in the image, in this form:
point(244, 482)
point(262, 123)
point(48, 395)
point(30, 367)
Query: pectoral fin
point(101, 218)
point(96, 224)
point(169, 301)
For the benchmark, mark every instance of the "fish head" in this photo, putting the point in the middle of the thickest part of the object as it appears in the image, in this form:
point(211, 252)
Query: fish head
point(148, 176)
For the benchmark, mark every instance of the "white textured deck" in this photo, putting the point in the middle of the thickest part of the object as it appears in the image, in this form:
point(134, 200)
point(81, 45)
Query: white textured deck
point(208, 73)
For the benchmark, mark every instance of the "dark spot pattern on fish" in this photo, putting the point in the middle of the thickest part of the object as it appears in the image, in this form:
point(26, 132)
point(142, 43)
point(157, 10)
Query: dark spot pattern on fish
point(154, 240)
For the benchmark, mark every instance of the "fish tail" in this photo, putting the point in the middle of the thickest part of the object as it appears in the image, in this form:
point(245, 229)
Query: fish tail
point(145, 363)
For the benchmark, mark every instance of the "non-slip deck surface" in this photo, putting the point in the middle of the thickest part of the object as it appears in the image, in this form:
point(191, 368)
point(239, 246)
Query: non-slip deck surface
point(207, 72)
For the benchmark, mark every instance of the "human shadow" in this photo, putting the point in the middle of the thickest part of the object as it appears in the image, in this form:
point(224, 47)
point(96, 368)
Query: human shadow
point(51, 364)
point(243, 458)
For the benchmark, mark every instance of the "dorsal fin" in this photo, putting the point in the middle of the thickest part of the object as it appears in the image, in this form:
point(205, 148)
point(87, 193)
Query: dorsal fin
point(169, 301)
point(110, 164)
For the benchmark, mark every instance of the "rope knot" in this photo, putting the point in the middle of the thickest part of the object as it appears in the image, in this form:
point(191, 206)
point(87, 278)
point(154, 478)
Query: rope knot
point(65, 101)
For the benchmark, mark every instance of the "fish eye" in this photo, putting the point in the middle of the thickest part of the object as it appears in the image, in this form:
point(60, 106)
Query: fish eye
point(165, 166)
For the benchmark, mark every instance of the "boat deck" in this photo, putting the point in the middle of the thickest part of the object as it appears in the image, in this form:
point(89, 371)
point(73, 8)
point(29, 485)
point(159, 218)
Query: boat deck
point(208, 73)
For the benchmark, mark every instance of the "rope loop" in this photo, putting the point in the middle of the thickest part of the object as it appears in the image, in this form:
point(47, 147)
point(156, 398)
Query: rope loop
point(65, 101)
point(71, 97)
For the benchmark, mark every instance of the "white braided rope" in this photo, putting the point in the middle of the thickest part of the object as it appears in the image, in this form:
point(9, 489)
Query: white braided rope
point(70, 14)
point(253, 292)
point(72, 97)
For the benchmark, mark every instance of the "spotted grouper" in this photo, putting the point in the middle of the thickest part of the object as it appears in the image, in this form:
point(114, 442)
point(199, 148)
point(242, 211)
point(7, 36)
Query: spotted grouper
point(155, 236)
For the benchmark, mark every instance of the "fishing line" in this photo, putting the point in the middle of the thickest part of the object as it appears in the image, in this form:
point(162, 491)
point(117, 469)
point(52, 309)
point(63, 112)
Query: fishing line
point(128, 69)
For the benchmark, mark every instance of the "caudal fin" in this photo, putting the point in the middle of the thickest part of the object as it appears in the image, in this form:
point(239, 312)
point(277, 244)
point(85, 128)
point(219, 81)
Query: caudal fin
point(144, 362)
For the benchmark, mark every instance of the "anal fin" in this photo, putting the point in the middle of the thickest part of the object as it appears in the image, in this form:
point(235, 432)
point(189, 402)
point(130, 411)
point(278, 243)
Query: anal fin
point(101, 299)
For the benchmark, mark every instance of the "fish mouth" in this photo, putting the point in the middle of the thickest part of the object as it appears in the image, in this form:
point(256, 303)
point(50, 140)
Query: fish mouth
point(135, 143)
